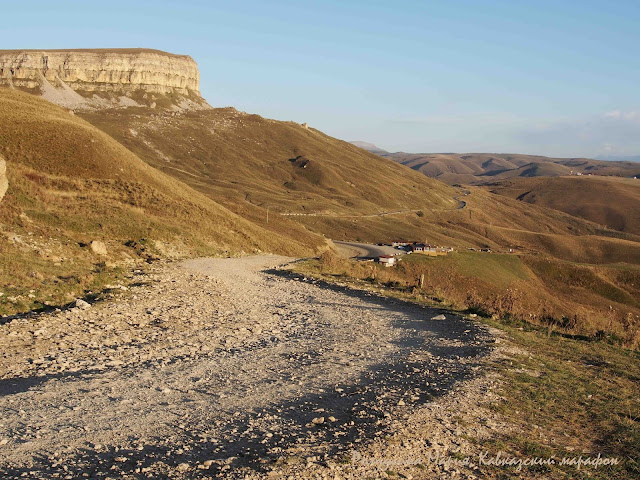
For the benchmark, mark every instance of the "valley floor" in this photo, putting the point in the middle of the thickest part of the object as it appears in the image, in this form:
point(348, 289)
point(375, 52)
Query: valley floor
point(237, 368)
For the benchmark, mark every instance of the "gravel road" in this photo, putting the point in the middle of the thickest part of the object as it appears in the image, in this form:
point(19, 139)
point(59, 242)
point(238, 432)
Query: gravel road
point(223, 368)
point(365, 250)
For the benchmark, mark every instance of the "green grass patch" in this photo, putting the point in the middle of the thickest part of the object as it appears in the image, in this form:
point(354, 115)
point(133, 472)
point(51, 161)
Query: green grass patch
point(571, 398)
point(498, 269)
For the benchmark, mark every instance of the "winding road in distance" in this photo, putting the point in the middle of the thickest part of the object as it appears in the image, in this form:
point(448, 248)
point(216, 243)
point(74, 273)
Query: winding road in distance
point(365, 250)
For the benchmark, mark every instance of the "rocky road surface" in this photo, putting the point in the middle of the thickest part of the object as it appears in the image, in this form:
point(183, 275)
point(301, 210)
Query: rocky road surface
point(233, 368)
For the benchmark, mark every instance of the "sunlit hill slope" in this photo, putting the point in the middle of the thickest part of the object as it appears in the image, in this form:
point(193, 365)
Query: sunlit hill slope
point(70, 183)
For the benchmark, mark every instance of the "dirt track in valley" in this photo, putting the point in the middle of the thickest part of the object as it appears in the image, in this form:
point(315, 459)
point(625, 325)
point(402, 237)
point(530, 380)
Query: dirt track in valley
point(365, 250)
point(231, 368)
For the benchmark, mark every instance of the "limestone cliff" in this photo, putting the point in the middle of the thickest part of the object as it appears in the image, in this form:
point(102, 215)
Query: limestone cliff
point(95, 78)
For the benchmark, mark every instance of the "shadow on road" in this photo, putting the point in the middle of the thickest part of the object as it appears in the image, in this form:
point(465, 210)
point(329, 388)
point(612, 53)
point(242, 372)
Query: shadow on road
point(419, 370)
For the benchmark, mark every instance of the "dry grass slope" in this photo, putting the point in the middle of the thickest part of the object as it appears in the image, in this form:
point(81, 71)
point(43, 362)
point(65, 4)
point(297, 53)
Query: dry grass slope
point(610, 201)
point(252, 164)
point(70, 183)
point(577, 299)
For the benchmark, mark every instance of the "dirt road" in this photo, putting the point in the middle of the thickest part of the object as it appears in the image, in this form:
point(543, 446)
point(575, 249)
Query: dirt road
point(462, 203)
point(218, 368)
point(365, 250)
point(361, 215)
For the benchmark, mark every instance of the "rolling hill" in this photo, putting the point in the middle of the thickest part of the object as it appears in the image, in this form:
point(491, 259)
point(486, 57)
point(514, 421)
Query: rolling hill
point(71, 184)
point(609, 201)
point(479, 168)
point(155, 173)
point(252, 164)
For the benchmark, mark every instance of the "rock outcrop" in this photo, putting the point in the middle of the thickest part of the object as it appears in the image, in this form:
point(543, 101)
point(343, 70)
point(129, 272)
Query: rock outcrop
point(94, 78)
point(4, 184)
point(98, 247)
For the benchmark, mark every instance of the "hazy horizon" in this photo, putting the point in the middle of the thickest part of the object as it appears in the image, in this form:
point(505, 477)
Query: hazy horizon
point(538, 78)
point(619, 158)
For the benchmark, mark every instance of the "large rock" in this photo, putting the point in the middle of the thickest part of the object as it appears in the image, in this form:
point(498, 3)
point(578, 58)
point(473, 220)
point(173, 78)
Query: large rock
point(4, 183)
point(98, 247)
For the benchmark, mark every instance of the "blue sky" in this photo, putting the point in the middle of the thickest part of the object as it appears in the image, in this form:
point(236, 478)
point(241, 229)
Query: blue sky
point(545, 77)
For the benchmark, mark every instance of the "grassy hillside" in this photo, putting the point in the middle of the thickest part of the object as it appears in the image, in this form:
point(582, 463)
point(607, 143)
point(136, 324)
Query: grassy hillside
point(265, 169)
point(578, 299)
point(150, 182)
point(479, 168)
point(610, 201)
point(70, 184)
point(250, 164)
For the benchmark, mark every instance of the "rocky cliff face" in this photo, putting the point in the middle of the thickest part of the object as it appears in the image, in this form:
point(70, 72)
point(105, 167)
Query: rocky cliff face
point(77, 78)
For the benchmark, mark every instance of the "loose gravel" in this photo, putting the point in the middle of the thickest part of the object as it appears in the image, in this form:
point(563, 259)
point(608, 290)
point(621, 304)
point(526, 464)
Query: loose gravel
point(236, 368)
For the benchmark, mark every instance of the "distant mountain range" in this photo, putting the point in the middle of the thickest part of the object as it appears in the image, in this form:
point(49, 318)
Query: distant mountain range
point(481, 168)
point(619, 158)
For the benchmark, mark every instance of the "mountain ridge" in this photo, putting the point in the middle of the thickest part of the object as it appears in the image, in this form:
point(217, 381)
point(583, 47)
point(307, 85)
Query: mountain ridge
point(481, 168)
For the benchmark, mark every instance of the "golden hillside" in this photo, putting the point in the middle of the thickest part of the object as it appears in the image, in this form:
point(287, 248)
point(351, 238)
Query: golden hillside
point(609, 201)
point(479, 168)
point(266, 169)
point(252, 163)
point(70, 183)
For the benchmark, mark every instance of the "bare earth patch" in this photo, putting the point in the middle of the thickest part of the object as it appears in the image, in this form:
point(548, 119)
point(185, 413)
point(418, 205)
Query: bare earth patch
point(235, 368)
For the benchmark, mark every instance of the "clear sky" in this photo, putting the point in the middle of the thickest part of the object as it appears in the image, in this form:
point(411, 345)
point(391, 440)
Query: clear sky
point(545, 77)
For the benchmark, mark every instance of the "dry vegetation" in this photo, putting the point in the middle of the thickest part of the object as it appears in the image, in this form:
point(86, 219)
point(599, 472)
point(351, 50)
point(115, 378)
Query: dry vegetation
point(598, 302)
point(569, 397)
point(69, 184)
point(480, 168)
point(609, 201)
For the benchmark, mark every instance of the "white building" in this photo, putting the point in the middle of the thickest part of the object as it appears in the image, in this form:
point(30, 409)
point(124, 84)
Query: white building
point(387, 260)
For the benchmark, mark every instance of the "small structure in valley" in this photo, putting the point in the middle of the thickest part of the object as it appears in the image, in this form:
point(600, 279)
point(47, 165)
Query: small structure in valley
point(417, 247)
point(387, 260)
point(427, 249)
